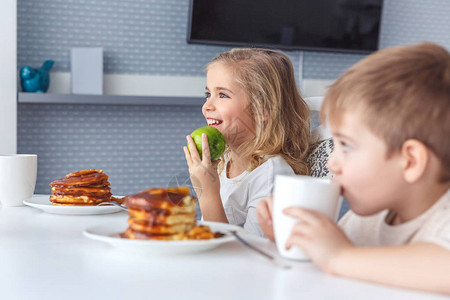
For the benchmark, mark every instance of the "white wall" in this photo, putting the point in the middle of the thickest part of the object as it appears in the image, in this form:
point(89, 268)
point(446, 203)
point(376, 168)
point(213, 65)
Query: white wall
point(8, 77)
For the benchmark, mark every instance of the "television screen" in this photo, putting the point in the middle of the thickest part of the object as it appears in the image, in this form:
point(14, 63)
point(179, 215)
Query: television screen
point(324, 25)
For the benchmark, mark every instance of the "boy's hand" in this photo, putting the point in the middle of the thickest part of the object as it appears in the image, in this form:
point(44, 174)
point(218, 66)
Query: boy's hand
point(319, 237)
point(264, 213)
point(203, 172)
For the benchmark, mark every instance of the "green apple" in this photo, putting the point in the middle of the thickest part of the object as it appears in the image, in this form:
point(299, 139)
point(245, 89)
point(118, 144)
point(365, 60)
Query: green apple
point(215, 140)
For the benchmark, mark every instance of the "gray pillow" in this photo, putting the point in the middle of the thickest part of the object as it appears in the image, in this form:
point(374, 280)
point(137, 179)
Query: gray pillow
point(318, 157)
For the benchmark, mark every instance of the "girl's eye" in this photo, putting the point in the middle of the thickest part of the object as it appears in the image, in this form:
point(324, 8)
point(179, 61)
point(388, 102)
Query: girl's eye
point(207, 94)
point(222, 95)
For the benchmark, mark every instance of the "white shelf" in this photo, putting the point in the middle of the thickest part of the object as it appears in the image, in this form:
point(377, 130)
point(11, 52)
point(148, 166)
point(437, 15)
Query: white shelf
point(108, 99)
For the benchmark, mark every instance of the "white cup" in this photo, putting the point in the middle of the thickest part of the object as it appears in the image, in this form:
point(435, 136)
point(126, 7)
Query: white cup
point(17, 178)
point(304, 191)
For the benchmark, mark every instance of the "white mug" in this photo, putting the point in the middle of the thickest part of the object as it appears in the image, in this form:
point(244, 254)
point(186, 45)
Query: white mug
point(304, 191)
point(17, 178)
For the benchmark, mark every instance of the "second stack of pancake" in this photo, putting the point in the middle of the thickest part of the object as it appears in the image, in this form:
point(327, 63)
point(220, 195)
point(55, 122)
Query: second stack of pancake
point(82, 188)
point(161, 214)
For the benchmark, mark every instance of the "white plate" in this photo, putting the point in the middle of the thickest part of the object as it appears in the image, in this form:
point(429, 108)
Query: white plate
point(43, 202)
point(109, 233)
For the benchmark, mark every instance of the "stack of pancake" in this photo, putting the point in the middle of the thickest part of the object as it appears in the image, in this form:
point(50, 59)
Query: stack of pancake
point(82, 188)
point(164, 214)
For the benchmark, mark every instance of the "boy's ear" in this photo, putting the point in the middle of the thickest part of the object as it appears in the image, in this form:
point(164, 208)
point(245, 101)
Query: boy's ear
point(415, 158)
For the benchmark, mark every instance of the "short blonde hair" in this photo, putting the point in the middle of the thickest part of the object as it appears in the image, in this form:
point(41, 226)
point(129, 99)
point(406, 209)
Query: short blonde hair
point(403, 93)
point(280, 113)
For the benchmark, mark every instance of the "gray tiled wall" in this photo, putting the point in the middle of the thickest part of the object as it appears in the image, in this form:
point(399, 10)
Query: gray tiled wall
point(138, 37)
point(137, 146)
point(140, 146)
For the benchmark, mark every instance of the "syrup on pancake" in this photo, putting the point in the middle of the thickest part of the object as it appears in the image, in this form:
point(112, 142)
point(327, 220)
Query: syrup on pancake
point(82, 188)
point(164, 214)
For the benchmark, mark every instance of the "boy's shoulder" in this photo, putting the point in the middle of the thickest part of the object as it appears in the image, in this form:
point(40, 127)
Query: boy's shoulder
point(437, 224)
point(431, 226)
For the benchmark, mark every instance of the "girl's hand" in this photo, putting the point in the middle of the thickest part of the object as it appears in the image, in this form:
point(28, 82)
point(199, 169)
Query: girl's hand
point(203, 172)
point(264, 213)
point(319, 237)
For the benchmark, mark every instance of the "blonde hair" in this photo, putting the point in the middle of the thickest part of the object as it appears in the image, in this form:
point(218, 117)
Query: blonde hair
point(281, 115)
point(403, 93)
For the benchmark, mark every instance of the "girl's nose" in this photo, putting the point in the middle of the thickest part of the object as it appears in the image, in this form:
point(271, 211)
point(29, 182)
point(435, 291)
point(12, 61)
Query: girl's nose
point(208, 105)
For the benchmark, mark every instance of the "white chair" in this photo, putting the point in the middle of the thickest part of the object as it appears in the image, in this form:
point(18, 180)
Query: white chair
point(321, 144)
point(321, 148)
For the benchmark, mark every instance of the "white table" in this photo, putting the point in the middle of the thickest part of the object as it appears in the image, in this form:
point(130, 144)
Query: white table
point(45, 256)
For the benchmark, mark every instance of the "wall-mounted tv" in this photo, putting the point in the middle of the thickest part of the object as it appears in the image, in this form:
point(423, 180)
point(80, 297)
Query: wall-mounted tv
point(317, 25)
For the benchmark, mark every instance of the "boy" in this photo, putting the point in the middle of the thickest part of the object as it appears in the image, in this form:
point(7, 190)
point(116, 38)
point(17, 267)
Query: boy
point(390, 119)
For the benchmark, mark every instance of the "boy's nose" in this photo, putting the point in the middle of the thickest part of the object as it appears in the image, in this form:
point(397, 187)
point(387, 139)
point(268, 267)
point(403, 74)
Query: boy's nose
point(333, 164)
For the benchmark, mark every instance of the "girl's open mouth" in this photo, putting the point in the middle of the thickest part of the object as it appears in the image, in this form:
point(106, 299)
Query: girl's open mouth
point(213, 122)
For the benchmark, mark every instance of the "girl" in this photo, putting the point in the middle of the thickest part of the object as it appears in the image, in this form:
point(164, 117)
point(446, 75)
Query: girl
point(252, 99)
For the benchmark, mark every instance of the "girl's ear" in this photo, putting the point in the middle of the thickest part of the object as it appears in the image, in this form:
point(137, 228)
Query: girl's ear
point(415, 157)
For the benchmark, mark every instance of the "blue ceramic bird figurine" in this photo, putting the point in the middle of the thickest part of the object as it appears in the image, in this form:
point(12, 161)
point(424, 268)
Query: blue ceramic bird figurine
point(36, 80)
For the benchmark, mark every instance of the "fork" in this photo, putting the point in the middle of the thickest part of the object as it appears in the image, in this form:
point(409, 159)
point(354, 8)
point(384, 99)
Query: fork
point(275, 260)
point(114, 203)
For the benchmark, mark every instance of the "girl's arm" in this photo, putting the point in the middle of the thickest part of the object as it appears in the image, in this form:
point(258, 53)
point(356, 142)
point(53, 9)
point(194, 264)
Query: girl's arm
point(212, 208)
point(421, 266)
point(264, 214)
point(205, 180)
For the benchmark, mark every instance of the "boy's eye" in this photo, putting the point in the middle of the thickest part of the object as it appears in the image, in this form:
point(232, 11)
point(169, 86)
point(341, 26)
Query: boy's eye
point(345, 146)
point(222, 95)
point(207, 94)
point(342, 145)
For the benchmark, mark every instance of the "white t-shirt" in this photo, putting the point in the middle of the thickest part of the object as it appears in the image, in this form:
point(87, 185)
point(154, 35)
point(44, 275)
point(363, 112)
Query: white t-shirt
point(433, 226)
point(241, 194)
